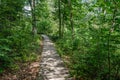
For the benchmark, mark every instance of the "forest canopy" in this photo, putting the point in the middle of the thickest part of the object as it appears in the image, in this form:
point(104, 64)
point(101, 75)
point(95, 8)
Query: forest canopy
point(86, 34)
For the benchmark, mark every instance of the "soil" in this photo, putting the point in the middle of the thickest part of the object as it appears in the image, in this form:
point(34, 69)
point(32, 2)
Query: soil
point(27, 71)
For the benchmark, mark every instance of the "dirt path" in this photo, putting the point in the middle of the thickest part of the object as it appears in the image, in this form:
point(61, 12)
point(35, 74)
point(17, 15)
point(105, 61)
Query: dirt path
point(51, 65)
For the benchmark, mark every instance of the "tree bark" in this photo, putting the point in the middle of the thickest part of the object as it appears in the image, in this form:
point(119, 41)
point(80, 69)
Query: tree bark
point(71, 19)
point(32, 5)
point(59, 6)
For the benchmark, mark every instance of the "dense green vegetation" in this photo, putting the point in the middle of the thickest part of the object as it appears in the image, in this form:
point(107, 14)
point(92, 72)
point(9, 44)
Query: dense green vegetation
point(87, 32)
point(89, 36)
point(17, 42)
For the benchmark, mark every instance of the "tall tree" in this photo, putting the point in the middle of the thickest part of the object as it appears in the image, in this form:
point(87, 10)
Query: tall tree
point(60, 19)
point(33, 5)
point(71, 18)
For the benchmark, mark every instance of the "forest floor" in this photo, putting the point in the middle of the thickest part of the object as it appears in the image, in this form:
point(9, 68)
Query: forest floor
point(27, 71)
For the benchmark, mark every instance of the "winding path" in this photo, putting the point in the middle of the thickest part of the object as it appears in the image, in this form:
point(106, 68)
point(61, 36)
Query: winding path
point(51, 65)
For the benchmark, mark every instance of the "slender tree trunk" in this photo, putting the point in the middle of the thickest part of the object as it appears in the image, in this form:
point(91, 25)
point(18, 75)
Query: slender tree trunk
point(32, 4)
point(71, 23)
point(71, 19)
point(63, 25)
point(59, 6)
point(63, 21)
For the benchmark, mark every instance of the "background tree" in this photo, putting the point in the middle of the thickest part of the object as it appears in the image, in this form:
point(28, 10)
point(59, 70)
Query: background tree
point(16, 41)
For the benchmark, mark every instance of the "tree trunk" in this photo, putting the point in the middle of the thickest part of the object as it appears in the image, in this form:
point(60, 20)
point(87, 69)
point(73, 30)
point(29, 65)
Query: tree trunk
point(71, 24)
point(71, 19)
point(63, 25)
point(59, 6)
point(32, 5)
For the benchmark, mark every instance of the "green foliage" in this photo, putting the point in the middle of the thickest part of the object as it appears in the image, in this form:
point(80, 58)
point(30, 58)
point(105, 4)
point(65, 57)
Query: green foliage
point(94, 46)
point(90, 35)
point(17, 43)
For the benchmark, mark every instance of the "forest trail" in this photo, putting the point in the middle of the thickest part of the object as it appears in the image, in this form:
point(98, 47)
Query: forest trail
point(51, 65)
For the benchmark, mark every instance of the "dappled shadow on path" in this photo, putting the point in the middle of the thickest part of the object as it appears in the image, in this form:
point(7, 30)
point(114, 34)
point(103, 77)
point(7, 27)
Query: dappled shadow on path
point(51, 65)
